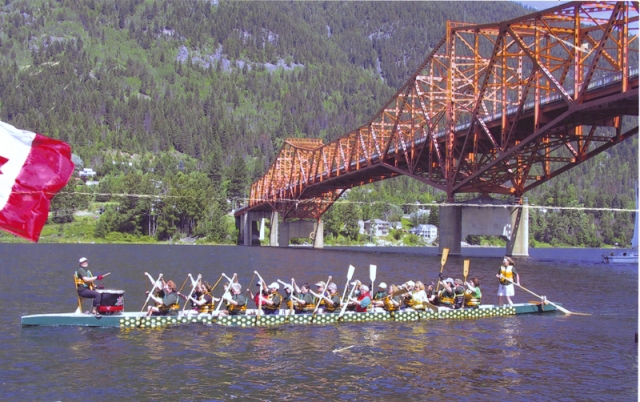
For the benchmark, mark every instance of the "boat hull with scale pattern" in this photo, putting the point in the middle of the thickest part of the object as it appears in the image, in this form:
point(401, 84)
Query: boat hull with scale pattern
point(138, 319)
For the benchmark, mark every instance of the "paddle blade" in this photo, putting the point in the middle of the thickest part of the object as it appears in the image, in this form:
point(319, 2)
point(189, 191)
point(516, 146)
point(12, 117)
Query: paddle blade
point(466, 268)
point(352, 269)
point(445, 254)
point(372, 272)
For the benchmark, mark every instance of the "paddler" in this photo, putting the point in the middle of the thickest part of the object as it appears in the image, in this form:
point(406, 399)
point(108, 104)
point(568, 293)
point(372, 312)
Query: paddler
point(447, 295)
point(307, 305)
point(333, 304)
point(363, 301)
point(168, 305)
point(204, 302)
point(473, 295)
point(391, 302)
point(458, 290)
point(418, 299)
point(236, 302)
point(85, 284)
point(271, 306)
point(320, 286)
point(381, 293)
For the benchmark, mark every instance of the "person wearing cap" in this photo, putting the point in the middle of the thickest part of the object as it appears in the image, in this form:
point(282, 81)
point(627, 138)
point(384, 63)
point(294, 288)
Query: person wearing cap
point(506, 275)
point(236, 302)
point(363, 301)
point(168, 305)
point(381, 293)
point(272, 304)
point(307, 305)
point(320, 289)
point(333, 304)
point(473, 295)
point(85, 284)
point(446, 295)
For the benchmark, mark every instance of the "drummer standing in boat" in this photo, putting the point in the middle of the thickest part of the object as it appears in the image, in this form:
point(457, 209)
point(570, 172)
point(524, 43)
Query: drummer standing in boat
point(85, 284)
point(506, 274)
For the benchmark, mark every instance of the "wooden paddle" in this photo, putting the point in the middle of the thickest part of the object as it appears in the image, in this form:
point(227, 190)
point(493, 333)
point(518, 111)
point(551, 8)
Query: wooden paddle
point(155, 285)
point(465, 269)
point(443, 260)
point(544, 299)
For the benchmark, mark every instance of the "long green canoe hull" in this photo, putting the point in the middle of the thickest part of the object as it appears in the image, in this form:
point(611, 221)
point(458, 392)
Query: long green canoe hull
point(137, 320)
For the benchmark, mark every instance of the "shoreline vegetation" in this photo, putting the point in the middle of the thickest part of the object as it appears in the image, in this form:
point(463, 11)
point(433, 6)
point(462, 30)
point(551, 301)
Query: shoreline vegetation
point(81, 231)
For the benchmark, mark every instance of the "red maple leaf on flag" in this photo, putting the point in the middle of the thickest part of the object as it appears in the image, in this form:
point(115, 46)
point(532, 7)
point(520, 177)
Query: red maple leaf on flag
point(3, 160)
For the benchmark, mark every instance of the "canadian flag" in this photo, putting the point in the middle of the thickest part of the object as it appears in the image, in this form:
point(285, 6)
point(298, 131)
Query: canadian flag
point(33, 168)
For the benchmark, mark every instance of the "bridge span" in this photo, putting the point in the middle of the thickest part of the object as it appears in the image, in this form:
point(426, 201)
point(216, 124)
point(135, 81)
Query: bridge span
point(494, 109)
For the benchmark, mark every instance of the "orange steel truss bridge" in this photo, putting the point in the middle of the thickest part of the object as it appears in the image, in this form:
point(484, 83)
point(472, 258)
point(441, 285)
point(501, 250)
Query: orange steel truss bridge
point(494, 109)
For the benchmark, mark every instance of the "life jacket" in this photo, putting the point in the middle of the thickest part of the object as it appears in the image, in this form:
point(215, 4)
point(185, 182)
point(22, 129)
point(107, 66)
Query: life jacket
point(413, 303)
point(271, 297)
point(234, 310)
point(361, 297)
point(458, 300)
point(80, 284)
point(472, 299)
point(336, 304)
point(310, 306)
point(388, 305)
point(207, 307)
point(506, 273)
point(172, 307)
point(446, 298)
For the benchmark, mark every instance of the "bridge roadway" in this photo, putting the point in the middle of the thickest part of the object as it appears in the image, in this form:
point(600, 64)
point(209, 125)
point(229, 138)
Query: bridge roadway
point(361, 170)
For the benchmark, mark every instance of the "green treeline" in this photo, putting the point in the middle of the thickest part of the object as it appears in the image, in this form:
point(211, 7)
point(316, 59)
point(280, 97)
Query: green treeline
point(180, 105)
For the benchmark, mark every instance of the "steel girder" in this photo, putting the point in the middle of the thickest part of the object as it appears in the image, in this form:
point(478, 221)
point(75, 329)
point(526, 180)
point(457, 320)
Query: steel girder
point(495, 108)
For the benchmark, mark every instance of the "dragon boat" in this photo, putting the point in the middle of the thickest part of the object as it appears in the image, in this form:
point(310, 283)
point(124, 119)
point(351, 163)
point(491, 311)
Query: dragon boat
point(138, 320)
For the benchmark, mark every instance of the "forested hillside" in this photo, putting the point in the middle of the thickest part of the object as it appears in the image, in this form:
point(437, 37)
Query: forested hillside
point(179, 105)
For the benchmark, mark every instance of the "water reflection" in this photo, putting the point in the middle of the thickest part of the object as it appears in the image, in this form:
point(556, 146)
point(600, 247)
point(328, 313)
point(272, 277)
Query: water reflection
point(529, 357)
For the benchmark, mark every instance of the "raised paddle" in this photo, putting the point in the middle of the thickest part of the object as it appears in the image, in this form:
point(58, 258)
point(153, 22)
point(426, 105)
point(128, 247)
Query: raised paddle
point(372, 275)
point(443, 260)
point(315, 310)
point(193, 288)
point(344, 305)
point(544, 299)
point(465, 270)
point(226, 292)
point(349, 276)
point(320, 296)
point(155, 285)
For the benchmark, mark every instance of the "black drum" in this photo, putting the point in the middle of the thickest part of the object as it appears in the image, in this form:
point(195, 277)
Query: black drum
point(112, 301)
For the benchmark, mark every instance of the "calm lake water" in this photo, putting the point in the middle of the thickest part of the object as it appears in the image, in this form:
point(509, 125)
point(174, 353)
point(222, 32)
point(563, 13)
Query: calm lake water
point(531, 357)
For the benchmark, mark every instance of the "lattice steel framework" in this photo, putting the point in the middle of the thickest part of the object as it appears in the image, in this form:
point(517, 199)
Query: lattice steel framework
point(495, 109)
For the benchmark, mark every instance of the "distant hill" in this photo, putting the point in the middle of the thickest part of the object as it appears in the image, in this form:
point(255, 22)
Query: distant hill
point(144, 87)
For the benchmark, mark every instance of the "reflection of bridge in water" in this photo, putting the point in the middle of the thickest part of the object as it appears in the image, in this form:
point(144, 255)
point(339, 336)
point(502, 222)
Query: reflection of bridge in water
point(494, 109)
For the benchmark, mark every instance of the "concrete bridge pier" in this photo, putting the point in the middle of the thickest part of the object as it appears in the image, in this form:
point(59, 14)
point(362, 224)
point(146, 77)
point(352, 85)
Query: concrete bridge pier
point(249, 234)
point(300, 228)
point(490, 218)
